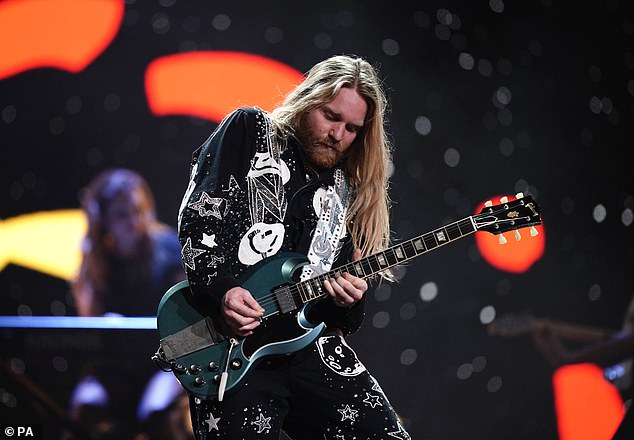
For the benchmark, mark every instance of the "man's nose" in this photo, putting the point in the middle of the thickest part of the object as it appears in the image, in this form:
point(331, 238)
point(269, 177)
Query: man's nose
point(337, 131)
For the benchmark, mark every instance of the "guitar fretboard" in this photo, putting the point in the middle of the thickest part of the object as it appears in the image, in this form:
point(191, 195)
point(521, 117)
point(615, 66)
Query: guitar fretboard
point(312, 289)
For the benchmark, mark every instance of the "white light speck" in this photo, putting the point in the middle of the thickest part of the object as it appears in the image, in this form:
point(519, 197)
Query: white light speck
point(487, 315)
point(408, 356)
point(381, 320)
point(428, 291)
point(594, 292)
point(599, 213)
point(495, 384)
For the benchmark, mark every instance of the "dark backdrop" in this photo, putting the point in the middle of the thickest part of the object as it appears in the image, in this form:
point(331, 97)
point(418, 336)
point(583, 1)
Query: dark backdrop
point(546, 107)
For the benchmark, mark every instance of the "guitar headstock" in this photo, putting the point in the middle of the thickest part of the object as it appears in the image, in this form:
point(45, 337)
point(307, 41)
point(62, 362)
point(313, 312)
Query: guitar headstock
point(509, 215)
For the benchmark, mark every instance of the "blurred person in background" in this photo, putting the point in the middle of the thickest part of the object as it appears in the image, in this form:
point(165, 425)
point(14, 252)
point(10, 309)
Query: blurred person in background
point(129, 260)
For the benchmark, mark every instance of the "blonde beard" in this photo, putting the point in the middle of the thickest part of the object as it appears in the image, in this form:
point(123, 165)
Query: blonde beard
point(318, 155)
point(322, 157)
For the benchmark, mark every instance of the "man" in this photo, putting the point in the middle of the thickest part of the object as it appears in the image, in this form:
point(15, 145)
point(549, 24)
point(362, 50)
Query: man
point(311, 178)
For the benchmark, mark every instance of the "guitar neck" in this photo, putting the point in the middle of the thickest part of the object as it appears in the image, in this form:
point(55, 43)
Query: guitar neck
point(510, 326)
point(578, 333)
point(367, 267)
point(495, 219)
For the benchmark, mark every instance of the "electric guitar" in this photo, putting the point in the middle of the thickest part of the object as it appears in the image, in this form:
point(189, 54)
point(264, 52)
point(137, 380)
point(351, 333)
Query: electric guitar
point(619, 374)
point(208, 360)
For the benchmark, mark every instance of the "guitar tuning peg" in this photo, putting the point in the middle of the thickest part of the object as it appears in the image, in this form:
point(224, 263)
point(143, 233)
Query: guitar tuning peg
point(488, 203)
point(534, 231)
point(504, 199)
point(519, 195)
point(502, 239)
point(518, 237)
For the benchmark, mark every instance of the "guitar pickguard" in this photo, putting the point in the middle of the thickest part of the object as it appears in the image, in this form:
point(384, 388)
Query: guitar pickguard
point(274, 330)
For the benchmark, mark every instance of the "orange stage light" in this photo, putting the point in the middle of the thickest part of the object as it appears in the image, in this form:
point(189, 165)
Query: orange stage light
point(65, 34)
point(211, 84)
point(588, 407)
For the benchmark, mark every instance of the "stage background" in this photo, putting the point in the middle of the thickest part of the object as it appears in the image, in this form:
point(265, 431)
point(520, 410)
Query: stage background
point(486, 99)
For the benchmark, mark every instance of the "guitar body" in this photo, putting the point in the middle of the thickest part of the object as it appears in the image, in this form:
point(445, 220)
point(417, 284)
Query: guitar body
point(201, 349)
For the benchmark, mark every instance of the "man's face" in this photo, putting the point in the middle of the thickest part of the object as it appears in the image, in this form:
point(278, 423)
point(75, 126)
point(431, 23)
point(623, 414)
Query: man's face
point(328, 131)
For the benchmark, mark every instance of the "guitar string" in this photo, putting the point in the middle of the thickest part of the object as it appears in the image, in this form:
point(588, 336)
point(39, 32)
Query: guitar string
point(294, 289)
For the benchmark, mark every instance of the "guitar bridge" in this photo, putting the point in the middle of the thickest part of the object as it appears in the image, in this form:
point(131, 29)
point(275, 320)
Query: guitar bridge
point(197, 336)
point(285, 299)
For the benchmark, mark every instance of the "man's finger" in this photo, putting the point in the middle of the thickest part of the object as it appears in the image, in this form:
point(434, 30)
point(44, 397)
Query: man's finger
point(253, 304)
point(356, 282)
point(356, 255)
point(244, 304)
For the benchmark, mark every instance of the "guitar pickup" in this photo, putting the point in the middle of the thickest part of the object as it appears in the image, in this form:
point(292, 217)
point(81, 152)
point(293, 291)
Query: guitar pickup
point(197, 336)
point(285, 299)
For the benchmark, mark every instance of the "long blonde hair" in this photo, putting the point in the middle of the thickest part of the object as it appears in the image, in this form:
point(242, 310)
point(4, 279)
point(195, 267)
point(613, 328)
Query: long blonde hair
point(366, 164)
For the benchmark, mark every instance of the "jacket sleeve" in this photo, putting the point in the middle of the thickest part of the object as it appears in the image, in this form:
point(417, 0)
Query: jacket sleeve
point(214, 212)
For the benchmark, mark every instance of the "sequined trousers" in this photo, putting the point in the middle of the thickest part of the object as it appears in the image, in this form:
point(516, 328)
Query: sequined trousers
point(322, 392)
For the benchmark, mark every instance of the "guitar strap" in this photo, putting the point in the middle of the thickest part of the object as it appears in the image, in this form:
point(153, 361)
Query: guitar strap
point(330, 229)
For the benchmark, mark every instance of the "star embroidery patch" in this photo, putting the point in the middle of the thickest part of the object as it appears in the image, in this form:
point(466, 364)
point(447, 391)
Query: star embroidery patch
point(372, 400)
point(209, 240)
point(348, 413)
point(212, 422)
point(376, 386)
point(400, 434)
point(263, 423)
point(190, 253)
point(234, 188)
point(215, 260)
point(214, 208)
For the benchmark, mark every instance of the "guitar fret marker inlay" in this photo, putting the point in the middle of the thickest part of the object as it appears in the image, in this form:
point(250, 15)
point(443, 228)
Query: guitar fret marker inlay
point(399, 253)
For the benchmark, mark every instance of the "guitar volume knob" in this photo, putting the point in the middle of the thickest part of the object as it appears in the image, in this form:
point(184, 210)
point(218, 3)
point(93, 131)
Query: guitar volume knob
point(194, 368)
point(236, 364)
point(213, 366)
point(199, 381)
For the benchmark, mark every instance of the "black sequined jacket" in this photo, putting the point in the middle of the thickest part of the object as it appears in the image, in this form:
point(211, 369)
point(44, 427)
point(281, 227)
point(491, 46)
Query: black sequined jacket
point(250, 196)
